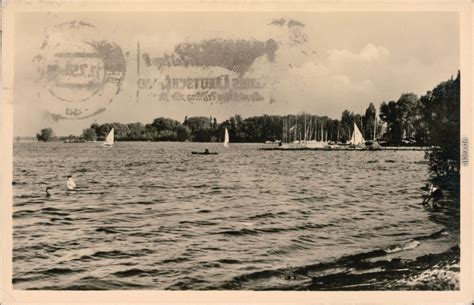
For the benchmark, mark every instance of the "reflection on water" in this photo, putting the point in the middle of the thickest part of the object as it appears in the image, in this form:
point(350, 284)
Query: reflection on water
point(152, 215)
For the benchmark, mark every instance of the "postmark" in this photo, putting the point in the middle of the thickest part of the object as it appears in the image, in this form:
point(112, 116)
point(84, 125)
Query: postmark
point(78, 72)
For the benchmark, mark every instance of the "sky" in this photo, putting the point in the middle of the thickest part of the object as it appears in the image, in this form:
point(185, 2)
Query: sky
point(324, 63)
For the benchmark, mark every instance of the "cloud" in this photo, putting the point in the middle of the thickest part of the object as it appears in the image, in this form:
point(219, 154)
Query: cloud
point(302, 80)
point(368, 54)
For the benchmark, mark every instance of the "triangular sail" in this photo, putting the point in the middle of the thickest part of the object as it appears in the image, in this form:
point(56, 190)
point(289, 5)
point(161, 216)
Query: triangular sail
point(109, 140)
point(357, 137)
point(226, 138)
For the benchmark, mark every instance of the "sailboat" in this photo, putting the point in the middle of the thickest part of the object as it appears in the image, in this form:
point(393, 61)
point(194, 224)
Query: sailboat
point(357, 139)
point(109, 140)
point(321, 143)
point(374, 145)
point(226, 138)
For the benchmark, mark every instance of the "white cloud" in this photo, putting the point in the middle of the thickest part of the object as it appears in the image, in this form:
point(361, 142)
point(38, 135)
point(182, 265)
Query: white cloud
point(369, 53)
point(343, 79)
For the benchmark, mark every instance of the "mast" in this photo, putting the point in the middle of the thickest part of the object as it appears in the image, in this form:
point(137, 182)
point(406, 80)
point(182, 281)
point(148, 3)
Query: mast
point(283, 129)
point(305, 127)
point(287, 128)
point(375, 124)
point(288, 134)
point(322, 133)
point(296, 128)
point(316, 130)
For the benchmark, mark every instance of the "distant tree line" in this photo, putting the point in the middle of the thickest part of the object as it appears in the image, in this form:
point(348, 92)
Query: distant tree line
point(430, 120)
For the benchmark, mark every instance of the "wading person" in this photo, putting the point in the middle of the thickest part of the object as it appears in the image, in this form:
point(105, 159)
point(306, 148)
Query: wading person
point(435, 195)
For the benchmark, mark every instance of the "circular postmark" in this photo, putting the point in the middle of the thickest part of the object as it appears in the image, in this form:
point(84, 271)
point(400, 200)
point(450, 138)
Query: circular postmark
point(78, 71)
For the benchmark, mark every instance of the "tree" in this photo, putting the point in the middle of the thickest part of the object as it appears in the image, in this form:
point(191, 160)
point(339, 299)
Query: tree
point(407, 107)
point(441, 112)
point(183, 133)
point(121, 130)
point(369, 122)
point(136, 131)
point(198, 123)
point(103, 131)
point(167, 135)
point(89, 134)
point(162, 124)
point(347, 121)
point(401, 118)
point(151, 133)
point(389, 115)
point(200, 128)
point(45, 135)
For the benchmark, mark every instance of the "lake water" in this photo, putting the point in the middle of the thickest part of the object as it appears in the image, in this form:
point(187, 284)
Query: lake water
point(154, 216)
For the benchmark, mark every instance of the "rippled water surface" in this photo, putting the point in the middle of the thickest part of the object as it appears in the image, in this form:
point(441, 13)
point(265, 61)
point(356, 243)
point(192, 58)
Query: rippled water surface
point(154, 216)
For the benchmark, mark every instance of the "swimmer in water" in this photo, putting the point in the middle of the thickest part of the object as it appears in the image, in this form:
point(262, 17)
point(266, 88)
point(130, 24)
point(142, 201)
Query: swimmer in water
point(48, 194)
point(71, 184)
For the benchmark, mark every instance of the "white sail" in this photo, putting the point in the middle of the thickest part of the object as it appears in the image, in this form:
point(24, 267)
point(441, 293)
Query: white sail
point(109, 140)
point(357, 138)
point(226, 138)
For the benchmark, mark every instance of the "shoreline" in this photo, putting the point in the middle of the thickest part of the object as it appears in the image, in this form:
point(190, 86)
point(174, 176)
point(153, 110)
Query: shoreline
point(428, 272)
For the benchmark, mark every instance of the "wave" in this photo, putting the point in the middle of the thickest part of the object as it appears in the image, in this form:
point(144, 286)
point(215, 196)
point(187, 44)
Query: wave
point(133, 272)
point(116, 254)
point(60, 271)
point(93, 283)
point(264, 215)
point(245, 231)
point(53, 211)
point(106, 230)
point(23, 213)
point(175, 260)
point(229, 261)
point(204, 211)
point(408, 246)
point(199, 223)
point(238, 232)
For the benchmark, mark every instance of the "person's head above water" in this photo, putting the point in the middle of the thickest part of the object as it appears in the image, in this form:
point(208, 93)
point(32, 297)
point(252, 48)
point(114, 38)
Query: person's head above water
point(69, 177)
point(47, 191)
point(206, 150)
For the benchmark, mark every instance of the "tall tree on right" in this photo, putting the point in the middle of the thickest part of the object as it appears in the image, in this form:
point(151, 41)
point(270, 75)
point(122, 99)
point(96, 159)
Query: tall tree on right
point(441, 112)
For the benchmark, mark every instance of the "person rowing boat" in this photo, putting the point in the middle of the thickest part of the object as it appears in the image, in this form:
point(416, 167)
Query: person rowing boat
point(206, 152)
